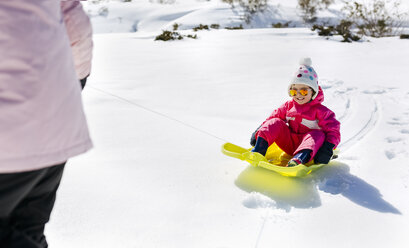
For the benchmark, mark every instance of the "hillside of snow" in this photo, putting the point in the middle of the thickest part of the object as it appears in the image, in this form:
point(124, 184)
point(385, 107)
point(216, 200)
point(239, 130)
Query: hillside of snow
point(159, 113)
point(148, 16)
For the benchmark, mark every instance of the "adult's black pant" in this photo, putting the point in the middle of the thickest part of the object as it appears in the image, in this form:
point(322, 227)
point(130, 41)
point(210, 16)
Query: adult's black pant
point(26, 202)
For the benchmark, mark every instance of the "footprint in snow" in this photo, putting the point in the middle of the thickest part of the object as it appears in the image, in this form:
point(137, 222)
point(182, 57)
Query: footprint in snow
point(374, 91)
point(395, 152)
point(327, 84)
point(397, 122)
point(390, 154)
point(402, 120)
point(404, 131)
point(344, 90)
point(393, 139)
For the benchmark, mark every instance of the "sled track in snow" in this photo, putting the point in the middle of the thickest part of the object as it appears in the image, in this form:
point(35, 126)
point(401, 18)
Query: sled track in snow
point(346, 112)
point(365, 129)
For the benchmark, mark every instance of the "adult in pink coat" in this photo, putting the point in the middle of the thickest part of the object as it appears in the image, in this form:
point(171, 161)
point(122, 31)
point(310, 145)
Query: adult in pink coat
point(42, 123)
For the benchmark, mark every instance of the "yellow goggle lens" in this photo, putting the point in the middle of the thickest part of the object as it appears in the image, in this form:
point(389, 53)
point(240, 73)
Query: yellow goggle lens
point(303, 92)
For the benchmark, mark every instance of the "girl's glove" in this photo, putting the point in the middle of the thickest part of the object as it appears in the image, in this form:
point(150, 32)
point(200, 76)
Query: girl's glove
point(324, 154)
point(253, 137)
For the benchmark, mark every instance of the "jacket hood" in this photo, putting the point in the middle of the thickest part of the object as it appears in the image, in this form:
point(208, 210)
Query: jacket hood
point(320, 97)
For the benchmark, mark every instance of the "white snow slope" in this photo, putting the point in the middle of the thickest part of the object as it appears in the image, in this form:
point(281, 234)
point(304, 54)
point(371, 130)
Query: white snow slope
point(159, 112)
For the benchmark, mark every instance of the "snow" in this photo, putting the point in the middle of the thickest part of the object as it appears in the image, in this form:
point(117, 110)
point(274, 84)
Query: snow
point(159, 112)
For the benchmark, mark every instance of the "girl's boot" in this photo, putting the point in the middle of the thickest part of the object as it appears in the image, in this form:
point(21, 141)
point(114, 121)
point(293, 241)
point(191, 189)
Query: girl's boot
point(257, 154)
point(261, 146)
point(302, 157)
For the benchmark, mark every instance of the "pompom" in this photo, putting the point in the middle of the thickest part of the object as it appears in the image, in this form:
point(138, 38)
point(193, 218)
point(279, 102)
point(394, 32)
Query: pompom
point(306, 61)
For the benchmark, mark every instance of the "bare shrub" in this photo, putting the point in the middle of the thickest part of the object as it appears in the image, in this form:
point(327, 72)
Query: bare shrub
point(375, 18)
point(250, 7)
point(309, 8)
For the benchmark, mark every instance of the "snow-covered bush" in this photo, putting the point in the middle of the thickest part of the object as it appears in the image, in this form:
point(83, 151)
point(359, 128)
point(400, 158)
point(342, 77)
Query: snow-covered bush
point(343, 29)
point(234, 28)
point(163, 1)
point(103, 11)
point(169, 35)
point(280, 25)
point(206, 27)
point(201, 27)
point(173, 35)
point(215, 26)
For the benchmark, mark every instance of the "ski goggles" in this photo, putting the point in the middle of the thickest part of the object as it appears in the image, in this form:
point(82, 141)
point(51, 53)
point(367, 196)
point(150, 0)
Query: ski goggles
point(302, 92)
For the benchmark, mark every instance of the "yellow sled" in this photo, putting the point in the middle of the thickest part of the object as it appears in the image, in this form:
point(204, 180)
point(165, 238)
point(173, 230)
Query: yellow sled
point(277, 160)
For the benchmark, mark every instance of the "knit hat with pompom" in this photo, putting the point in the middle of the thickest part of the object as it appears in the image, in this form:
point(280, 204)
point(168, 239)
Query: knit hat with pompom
point(305, 75)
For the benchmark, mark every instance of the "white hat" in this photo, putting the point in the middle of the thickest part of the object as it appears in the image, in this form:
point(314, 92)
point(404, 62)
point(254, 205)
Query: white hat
point(305, 75)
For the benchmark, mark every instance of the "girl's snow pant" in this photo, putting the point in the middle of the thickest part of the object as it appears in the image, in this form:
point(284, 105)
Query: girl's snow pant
point(26, 201)
point(276, 130)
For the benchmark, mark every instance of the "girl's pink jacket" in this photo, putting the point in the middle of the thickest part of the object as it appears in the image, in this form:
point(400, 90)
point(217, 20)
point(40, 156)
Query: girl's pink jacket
point(42, 122)
point(313, 115)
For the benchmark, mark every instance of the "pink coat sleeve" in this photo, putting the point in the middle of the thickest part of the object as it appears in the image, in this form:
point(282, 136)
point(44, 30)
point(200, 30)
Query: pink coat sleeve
point(330, 125)
point(79, 32)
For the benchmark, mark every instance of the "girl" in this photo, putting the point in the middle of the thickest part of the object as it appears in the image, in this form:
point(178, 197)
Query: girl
point(302, 126)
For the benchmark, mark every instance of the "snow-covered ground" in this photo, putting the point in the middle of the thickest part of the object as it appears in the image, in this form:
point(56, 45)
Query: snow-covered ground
point(159, 112)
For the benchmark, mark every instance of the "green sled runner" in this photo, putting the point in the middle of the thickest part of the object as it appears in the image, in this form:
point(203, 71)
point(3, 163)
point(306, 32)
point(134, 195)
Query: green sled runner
point(276, 158)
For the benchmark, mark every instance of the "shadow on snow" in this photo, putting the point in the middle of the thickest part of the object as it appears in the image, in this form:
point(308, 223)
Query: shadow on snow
point(302, 192)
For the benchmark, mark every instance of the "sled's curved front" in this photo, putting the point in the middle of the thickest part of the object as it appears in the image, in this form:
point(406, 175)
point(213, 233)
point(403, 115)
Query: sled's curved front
point(234, 151)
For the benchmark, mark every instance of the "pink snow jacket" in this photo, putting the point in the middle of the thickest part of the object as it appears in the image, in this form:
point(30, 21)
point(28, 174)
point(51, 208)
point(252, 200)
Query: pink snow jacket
point(79, 31)
point(42, 122)
point(313, 115)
